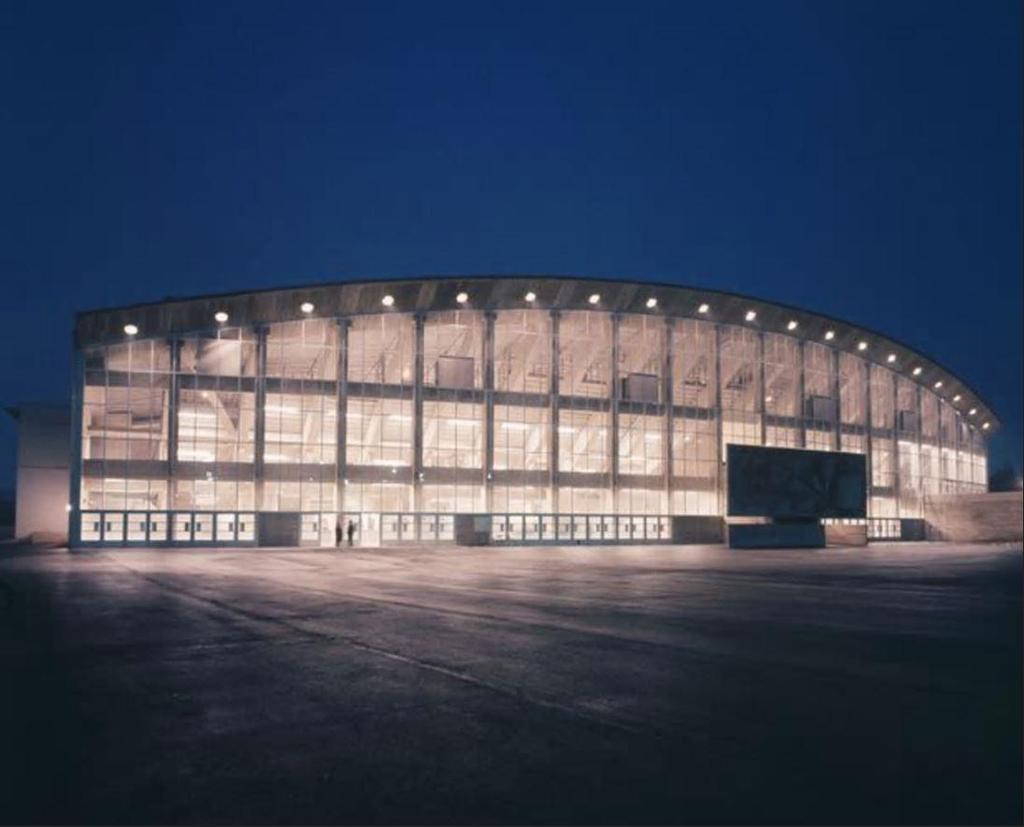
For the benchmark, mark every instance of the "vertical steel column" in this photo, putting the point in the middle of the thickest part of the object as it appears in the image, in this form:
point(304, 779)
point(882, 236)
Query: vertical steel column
point(920, 450)
point(896, 442)
point(173, 407)
point(763, 401)
point(555, 390)
point(719, 429)
point(173, 404)
point(259, 449)
point(868, 433)
point(837, 402)
point(939, 443)
point(613, 430)
point(75, 481)
point(417, 417)
point(668, 365)
point(341, 418)
point(801, 403)
point(489, 318)
point(956, 451)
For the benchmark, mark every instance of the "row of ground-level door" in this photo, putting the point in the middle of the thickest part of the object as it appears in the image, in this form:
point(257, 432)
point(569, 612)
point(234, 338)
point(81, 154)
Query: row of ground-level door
point(371, 529)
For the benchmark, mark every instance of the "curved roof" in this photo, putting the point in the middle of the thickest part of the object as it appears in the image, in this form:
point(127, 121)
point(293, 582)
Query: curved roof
point(492, 292)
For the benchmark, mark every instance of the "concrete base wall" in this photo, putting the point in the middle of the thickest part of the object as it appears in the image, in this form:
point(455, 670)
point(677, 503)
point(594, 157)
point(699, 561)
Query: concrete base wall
point(777, 535)
point(699, 530)
point(976, 518)
point(846, 535)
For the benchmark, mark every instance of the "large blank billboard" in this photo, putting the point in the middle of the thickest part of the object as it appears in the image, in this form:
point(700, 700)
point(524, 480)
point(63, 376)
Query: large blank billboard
point(784, 482)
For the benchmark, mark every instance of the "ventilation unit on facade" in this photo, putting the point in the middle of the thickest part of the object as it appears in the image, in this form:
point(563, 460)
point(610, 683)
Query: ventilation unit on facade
point(640, 387)
point(455, 372)
point(820, 408)
point(907, 421)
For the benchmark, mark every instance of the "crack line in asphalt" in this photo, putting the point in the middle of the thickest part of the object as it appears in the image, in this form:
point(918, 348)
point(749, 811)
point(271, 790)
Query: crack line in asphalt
point(516, 693)
point(694, 648)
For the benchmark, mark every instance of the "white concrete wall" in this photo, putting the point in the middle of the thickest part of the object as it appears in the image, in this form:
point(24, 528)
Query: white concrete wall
point(976, 518)
point(44, 448)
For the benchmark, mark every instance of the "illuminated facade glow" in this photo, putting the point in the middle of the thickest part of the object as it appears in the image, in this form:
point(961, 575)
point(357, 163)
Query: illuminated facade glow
point(603, 412)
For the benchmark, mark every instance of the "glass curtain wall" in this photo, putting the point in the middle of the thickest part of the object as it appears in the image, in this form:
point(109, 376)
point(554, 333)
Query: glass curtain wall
point(171, 426)
point(584, 425)
point(522, 412)
point(379, 414)
point(695, 455)
point(931, 481)
point(883, 447)
point(642, 421)
point(819, 403)
point(453, 412)
point(300, 424)
point(908, 447)
point(740, 379)
point(216, 434)
point(782, 398)
point(125, 426)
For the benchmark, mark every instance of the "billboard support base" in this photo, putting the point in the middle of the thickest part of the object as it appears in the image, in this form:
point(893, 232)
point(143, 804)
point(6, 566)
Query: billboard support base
point(778, 534)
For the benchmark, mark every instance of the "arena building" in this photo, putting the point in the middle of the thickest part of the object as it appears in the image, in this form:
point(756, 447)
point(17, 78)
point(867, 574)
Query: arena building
point(551, 409)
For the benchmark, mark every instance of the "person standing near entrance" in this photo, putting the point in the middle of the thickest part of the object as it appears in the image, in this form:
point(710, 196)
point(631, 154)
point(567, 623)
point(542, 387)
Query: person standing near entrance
point(337, 534)
point(351, 532)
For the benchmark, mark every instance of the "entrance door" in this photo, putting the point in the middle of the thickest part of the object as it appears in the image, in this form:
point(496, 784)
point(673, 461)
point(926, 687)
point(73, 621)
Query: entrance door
point(369, 530)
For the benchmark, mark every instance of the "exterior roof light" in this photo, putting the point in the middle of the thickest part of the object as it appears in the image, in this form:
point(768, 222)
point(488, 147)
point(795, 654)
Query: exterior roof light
point(938, 384)
point(531, 296)
point(984, 427)
point(594, 298)
point(751, 315)
point(917, 371)
point(704, 308)
point(862, 345)
point(388, 300)
point(829, 335)
point(956, 398)
point(307, 307)
point(890, 358)
point(131, 329)
point(220, 316)
point(462, 298)
point(652, 303)
point(792, 325)
point(972, 411)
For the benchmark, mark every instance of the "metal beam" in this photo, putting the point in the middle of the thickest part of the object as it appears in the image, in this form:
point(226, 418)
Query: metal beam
point(801, 401)
point(488, 375)
point(719, 449)
point(341, 417)
point(667, 366)
point(417, 417)
point(75, 489)
point(260, 424)
point(555, 390)
point(613, 429)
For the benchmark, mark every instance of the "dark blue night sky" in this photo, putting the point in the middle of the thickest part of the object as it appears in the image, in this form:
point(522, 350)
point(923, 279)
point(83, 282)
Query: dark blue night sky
point(860, 159)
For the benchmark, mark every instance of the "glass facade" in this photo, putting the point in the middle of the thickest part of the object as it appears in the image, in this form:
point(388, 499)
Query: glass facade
point(580, 423)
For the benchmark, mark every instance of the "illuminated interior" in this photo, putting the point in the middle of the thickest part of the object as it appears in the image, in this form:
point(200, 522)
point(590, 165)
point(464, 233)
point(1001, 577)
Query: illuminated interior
point(412, 417)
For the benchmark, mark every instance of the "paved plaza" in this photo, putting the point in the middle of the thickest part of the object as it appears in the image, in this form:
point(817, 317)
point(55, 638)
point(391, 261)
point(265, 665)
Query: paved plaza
point(525, 685)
